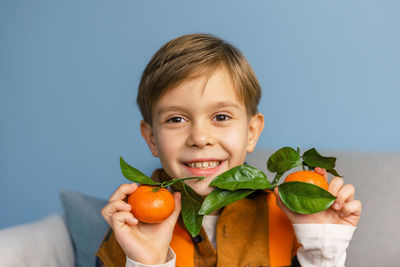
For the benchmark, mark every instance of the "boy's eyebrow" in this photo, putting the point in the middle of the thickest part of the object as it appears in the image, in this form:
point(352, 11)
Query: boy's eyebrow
point(168, 108)
point(212, 106)
point(225, 105)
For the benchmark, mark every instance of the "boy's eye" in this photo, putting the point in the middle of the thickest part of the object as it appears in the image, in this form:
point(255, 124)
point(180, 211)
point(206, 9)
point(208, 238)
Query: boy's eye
point(176, 120)
point(222, 117)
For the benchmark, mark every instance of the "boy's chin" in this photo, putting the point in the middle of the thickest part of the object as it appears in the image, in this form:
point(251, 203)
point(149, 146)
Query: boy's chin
point(201, 187)
point(204, 191)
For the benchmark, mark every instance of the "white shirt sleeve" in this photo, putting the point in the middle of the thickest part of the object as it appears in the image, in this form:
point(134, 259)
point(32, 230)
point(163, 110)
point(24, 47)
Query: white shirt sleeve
point(171, 259)
point(323, 244)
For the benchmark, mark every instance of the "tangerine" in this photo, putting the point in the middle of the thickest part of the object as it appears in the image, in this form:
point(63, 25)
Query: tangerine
point(308, 177)
point(151, 205)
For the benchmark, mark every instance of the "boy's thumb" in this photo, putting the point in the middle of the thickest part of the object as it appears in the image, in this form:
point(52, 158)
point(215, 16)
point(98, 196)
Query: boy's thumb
point(174, 216)
point(279, 203)
point(278, 199)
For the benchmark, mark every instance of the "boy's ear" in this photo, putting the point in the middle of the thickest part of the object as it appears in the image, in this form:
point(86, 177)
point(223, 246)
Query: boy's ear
point(256, 125)
point(147, 133)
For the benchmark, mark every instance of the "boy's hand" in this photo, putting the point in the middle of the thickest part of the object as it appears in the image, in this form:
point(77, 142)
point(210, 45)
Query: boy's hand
point(142, 242)
point(345, 210)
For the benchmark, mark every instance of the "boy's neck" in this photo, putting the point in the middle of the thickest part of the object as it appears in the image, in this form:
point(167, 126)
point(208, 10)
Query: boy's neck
point(216, 212)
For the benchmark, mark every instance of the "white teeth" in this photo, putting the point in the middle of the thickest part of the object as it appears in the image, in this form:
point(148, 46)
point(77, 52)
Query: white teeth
point(204, 164)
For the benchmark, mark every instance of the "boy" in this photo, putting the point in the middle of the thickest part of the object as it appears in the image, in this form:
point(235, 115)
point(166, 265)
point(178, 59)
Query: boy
point(198, 96)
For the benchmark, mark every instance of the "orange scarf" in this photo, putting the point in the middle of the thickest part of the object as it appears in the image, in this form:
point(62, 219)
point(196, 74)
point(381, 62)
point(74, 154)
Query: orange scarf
point(250, 232)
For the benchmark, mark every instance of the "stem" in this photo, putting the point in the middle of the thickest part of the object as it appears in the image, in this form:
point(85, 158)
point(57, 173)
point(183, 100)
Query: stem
point(276, 179)
point(171, 182)
point(183, 179)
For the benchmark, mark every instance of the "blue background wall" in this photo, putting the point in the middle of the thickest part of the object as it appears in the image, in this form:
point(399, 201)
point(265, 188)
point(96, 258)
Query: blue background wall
point(69, 72)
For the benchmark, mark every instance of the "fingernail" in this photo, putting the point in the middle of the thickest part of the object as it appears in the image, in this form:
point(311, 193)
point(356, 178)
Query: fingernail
point(336, 206)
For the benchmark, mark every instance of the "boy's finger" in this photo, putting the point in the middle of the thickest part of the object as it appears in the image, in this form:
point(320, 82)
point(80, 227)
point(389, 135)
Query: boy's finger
point(352, 208)
point(114, 207)
point(335, 185)
point(291, 215)
point(279, 201)
point(122, 192)
point(345, 194)
point(321, 171)
point(174, 216)
point(123, 218)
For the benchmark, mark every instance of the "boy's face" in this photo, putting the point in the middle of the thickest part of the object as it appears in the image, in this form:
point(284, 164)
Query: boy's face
point(200, 128)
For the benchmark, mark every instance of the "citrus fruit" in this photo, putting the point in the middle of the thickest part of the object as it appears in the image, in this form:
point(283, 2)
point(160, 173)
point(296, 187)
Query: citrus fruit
point(308, 177)
point(151, 205)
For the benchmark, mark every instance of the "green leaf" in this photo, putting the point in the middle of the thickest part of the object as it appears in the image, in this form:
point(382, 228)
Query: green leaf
point(220, 198)
point(191, 204)
point(334, 172)
point(283, 160)
point(135, 175)
point(305, 198)
point(314, 159)
point(241, 177)
point(309, 168)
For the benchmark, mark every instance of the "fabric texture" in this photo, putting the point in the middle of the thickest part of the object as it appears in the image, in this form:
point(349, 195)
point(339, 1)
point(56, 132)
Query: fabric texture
point(171, 258)
point(323, 244)
point(242, 233)
point(85, 224)
point(210, 226)
point(44, 243)
point(110, 253)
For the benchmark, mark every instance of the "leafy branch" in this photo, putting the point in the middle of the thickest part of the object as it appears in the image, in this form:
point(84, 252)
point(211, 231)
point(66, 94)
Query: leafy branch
point(241, 181)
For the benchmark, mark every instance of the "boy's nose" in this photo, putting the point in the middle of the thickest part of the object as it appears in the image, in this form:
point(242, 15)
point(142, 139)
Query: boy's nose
point(200, 136)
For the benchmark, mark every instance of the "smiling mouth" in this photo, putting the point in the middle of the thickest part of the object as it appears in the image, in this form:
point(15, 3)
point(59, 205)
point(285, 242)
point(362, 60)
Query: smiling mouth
point(203, 164)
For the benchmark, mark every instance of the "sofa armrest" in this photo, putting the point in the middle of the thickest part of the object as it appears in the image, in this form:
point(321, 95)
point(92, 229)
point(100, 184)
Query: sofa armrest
point(43, 243)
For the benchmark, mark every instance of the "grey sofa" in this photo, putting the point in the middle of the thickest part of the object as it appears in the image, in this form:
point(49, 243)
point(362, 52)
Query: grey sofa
point(48, 242)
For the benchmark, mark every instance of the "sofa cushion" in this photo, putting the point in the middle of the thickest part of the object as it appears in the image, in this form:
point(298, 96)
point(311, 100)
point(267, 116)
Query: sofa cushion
point(85, 224)
point(43, 243)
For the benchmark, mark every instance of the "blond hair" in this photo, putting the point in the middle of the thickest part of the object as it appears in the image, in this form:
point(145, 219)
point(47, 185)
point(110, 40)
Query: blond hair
point(192, 55)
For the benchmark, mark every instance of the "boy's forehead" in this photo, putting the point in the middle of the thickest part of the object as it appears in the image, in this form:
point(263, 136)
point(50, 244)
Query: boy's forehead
point(215, 89)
